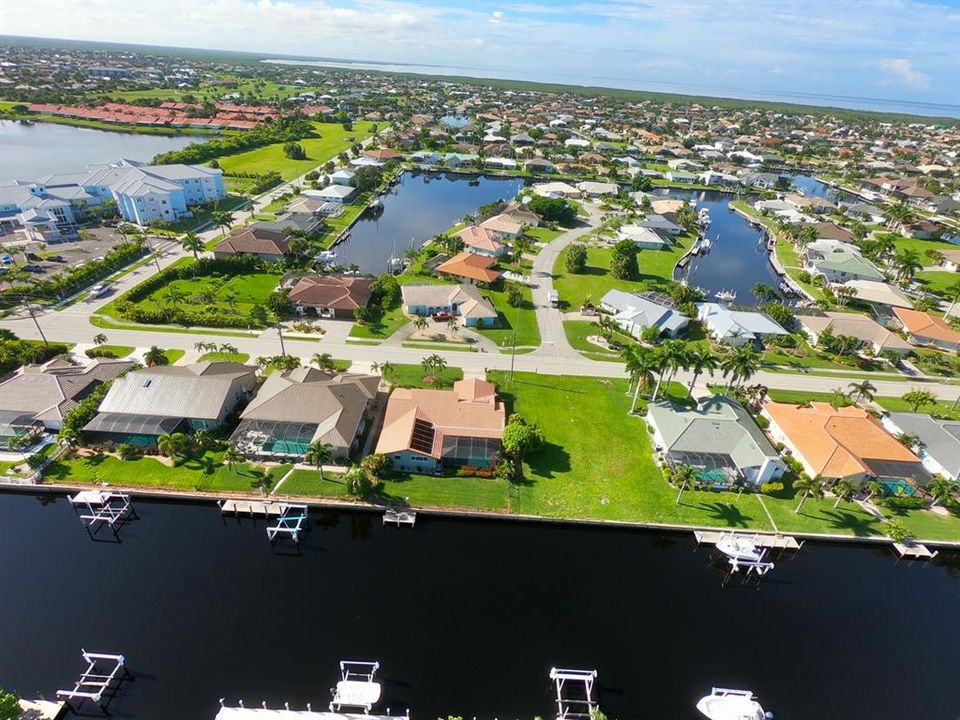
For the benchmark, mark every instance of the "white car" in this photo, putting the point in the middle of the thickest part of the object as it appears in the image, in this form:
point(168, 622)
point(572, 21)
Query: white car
point(99, 290)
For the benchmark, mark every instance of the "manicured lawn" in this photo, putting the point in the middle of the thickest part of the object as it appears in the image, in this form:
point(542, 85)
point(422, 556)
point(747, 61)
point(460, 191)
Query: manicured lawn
point(332, 140)
point(199, 472)
point(943, 408)
point(542, 234)
point(809, 357)
point(598, 460)
point(224, 357)
point(797, 396)
point(308, 482)
point(443, 346)
point(405, 375)
point(937, 281)
point(520, 320)
point(173, 355)
point(656, 270)
point(383, 327)
point(577, 332)
point(119, 351)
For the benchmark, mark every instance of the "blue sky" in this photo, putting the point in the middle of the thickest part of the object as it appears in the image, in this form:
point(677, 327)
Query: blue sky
point(903, 51)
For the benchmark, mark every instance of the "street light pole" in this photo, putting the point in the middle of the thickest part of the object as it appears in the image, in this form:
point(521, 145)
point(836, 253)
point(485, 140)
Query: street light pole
point(513, 358)
point(280, 335)
point(37, 323)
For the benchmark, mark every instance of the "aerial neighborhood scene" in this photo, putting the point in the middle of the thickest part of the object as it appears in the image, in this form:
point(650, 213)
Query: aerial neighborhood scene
point(314, 322)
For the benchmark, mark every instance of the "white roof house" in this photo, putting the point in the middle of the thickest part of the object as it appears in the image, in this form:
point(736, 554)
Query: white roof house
point(644, 237)
point(342, 177)
point(332, 193)
point(590, 188)
point(635, 314)
point(556, 189)
point(736, 327)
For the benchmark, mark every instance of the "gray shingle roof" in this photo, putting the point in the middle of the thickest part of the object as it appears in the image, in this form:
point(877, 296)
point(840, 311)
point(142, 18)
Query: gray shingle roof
point(941, 438)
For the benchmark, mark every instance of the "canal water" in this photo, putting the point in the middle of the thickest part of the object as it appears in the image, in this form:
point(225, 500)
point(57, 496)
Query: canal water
point(465, 617)
point(30, 152)
point(418, 207)
point(738, 258)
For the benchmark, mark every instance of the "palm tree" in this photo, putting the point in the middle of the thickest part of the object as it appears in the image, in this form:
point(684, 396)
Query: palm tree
point(99, 339)
point(908, 264)
point(700, 359)
point(324, 361)
point(641, 364)
point(953, 293)
point(683, 476)
point(740, 365)
point(941, 490)
point(155, 356)
point(844, 489)
point(808, 486)
point(672, 355)
point(839, 399)
point(172, 444)
point(231, 456)
point(421, 322)
point(919, 398)
point(317, 454)
point(387, 368)
point(222, 219)
point(765, 293)
point(192, 242)
point(862, 390)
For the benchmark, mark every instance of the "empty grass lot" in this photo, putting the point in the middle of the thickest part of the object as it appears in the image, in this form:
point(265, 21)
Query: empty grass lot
point(246, 291)
point(332, 140)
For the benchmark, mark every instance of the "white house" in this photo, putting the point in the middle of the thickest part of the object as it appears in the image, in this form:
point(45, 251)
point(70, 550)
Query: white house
point(342, 177)
point(635, 314)
point(736, 327)
point(593, 189)
point(338, 194)
point(643, 237)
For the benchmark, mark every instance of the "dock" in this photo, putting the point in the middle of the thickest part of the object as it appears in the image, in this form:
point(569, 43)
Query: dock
point(99, 508)
point(98, 683)
point(41, 709)
point(399, 517)
point(915, 551)
point(251, 508)
point(774, 542)
point(289, 524)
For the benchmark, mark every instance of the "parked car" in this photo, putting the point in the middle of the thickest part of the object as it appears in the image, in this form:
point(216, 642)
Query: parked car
point(6, 260)
point(99, 290)
point(441, 316)
point(33, 267)
point(56, 258)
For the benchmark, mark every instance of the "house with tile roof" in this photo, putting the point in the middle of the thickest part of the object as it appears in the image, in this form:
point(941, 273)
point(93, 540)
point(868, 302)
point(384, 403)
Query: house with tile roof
point(843, 443)
point(426, 431)
point(40, 396)
point(865, 329)
point(331, 296)
point(928, 330)
point(295, 408)
point(470, 268)
point(266, 244)
point(719, 438)
point(481, 241)
point(462, 301)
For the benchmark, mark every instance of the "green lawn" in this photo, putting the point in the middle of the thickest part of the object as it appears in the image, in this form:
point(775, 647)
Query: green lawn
point(807, 357)
point(577, 332)
point(937, 281)
point(382, 327)
point(119, 351)
point(405, 375)
point(943, 408)
point(441, 346)
point(332, 140)
point(797, 396)
point(520, 320)
point(542, 234)
point(224, 357)
point(199, 472)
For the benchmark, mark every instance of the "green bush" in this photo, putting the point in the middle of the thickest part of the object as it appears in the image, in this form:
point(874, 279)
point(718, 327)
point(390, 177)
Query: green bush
point(904, 502)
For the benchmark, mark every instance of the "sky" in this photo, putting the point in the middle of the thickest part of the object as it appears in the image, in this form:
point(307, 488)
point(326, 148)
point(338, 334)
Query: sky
point(880, 53)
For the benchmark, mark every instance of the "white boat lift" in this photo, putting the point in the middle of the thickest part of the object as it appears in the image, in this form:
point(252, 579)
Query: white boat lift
point(98, 682)
point(915, 551)
point(357, 687)
point(251, 508)
point(289, 524)
point(574, 690)
point(98, 508)
point(774, 542)
point(399, 517)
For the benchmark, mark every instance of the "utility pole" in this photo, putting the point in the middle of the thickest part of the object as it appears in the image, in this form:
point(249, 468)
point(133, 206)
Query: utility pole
point(37, 323)
point(280, 335)
point(513, 357)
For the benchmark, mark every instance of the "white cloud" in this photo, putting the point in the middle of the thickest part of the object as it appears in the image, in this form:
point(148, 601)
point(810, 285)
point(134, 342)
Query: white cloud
point(901, 71)
point(496, 17)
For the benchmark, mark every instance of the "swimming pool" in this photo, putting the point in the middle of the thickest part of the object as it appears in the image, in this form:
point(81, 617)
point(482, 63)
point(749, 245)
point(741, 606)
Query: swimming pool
point(897, 487)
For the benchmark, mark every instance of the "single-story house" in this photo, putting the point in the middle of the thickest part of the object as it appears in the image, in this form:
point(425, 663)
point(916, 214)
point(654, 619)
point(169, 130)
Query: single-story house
point(331, 296)
point(879, 293)
point(425, 431)
point(839, 262)
point(40, 396)
point(294, 408)
point(832, 231)
point(712, 177)
point(481, 241)
point(383, 154)
point(459, 159)
point(269, 245)
point(661, 224)
point(555, 190)
point(591, 189)
point(718, 437)
point(144, 404)
point(737, 327)
point(635, 313)
point(939, 441)
point(314, 206)
point(503, 226)
point(464, 301)
point(501, 162)
point(928, 330)
point(681, 176)
point(845, 443)
point(426, 157)
point(366, 161)
point(865, 212)
point(522, 214)
point(470, 268)
point(951, 260)
point(865, 329)
point(643, 237)
point(339, 194)
point(342, 177)
point(539, 165)
point(291, 222)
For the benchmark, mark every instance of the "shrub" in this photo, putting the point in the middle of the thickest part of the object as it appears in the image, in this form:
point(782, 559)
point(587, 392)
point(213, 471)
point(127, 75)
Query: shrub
point(904, 503)
point(576, 258)
point(99, 352)
point(771, 488)
point(125, 451)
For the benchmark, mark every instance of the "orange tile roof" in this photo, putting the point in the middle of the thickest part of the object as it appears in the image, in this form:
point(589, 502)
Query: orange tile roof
point(470, 266)
point(836, 442)
point(923, 324)
point(480, 238)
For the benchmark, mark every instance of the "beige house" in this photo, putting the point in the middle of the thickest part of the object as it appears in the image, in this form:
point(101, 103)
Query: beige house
point(865, 329)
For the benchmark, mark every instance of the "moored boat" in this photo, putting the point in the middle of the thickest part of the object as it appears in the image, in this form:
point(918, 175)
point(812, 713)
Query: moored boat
point(728, 704)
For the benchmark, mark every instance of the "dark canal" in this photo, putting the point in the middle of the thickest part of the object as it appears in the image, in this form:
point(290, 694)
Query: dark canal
point(417, 208)
point(466, 618)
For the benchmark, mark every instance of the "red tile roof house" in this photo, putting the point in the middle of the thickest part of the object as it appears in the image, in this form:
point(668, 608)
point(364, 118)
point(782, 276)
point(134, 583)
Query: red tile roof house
point(474, 269)
point(331, 296)
point(928, 330)
point(265, 244)
point(481, 241)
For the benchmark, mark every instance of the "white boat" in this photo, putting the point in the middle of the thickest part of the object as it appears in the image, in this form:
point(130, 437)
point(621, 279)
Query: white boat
point(704, 216)
point(725, 296)
point(727, 704)
point(738, 547)
point(325, 255)
point(357, 687)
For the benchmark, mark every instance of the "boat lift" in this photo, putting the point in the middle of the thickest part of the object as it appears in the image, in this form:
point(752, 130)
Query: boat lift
point(99, 682)
point(399, 517)
point(357, 687)
point(289, 524)
point(97, 508)
point(576, 704)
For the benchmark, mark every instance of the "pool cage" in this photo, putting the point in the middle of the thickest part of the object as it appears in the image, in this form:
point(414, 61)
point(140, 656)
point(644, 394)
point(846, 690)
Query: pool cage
point(273, 438)
point(476, 452)
point(717, 471)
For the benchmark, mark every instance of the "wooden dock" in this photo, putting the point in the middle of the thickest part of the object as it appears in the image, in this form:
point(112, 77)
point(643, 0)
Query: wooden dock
point(41, 709)
point(399, 517)
point(778, 542)
point(915, 551)
point(252, 508)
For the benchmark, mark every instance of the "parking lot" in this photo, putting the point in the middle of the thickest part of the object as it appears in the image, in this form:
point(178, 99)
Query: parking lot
point(48, 260)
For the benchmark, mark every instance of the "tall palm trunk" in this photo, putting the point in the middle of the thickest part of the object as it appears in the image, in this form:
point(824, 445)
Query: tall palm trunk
point(802, 501)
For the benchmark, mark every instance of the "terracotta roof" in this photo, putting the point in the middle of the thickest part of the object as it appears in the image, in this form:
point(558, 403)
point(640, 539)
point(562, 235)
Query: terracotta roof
point(331, 291)
point(925, 325)
point(253, 240)
point(837, 443)
point(480, 238)
point(383, 154)
point(469, 410)
point(473, 267)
